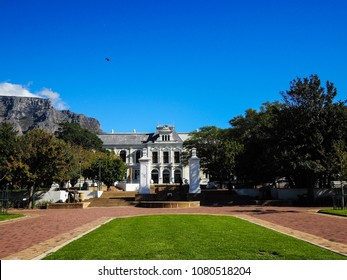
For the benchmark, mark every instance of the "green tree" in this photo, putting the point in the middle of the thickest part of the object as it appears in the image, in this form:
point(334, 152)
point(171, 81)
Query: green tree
point(47, 158)
point(74, 134)
point(216, 150)
point(11, 165)
point(340, 149)
point(341, 163)
point(257, 131)
point(310, 123)
point(294, 138)
point(106, 167)
point(81, 160)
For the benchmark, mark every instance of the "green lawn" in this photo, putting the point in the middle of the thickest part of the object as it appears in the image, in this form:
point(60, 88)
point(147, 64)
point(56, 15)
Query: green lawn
point(334, 212)
point(4, 217)
point(187, 237)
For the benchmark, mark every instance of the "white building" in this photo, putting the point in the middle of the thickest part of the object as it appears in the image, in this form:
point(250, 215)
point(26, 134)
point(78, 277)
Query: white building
point(164, 149)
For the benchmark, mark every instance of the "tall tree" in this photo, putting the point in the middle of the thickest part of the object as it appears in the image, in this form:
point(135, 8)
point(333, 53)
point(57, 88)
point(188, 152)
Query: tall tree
point(9, 153)
point(217, 151)
point(81, 160)
point(257, 131)
point(106, 167)
point(74, 134)
point(310, 123)
point(48, 159)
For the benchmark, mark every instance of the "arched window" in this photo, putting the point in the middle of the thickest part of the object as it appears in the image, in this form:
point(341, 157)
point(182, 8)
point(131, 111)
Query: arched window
point(123, 155)
point(166, 176)
point(155, 176)
point(138, 156)
point(177, 176)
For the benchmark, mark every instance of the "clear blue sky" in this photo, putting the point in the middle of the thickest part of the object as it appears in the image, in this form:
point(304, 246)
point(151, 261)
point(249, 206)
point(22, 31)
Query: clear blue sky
point(191, 63)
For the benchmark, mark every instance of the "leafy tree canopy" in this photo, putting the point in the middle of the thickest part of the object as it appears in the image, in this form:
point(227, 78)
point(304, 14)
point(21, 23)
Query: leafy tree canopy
point(216, 150)
point(74, 134)
point(9, 152)
point(107, 168)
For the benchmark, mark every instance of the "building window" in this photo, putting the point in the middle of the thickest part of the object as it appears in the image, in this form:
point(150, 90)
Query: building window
point(154, 157)
point(178, 177)
point(136, 174)
point(165, 138)
point(123, 155)
point(166, 157)
point(138, 155)
point(155, 176)
point(166, 176)
point(177, 157)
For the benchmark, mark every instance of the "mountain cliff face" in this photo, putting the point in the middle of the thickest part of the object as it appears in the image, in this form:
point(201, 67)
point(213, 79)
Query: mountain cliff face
point(27, 113)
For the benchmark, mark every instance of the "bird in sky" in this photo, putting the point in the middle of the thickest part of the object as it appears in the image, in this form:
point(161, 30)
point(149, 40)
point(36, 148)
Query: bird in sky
point(107, 59)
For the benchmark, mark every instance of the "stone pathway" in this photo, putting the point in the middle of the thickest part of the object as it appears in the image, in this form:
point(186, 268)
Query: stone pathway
point(44, 231)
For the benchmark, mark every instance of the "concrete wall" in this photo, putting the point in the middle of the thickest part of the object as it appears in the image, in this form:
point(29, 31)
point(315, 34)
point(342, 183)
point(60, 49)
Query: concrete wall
point(53, 196)
point(286, 194)
point(248, 192)
point(128, 187)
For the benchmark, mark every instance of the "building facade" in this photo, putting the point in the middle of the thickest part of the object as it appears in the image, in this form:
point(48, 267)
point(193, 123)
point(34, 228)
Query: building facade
point(164, 148)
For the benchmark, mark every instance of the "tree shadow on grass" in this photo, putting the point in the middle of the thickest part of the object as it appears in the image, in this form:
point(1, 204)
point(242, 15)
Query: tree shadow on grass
point(264, 211)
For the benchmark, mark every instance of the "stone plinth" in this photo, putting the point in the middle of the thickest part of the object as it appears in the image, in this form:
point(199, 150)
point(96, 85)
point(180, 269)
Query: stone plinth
point(169, 204)
point(145, 174)
point(194, 173)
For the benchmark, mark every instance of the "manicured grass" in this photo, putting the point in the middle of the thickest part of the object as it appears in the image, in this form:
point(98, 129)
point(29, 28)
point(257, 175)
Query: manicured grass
point(334, 212)
point(187, 237)
point(4, 217)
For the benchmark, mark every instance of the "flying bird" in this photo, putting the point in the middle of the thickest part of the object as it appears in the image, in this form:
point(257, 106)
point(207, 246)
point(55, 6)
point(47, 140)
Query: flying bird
point(107, 59)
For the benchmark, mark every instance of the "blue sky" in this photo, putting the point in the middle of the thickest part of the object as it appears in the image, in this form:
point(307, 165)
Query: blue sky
point(190, 63)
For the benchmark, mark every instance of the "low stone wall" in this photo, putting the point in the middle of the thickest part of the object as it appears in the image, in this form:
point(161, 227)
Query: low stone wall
point(128, 187)
point(169, 204)
point(65, 205)
point(96, 188)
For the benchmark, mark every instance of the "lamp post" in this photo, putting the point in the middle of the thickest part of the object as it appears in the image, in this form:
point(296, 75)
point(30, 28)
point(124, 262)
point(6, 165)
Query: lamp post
point(80, 183)
point(99, 183)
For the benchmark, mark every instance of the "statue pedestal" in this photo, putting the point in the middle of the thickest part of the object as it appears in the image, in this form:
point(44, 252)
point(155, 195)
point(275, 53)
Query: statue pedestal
point(145, 174)
point(194, 173)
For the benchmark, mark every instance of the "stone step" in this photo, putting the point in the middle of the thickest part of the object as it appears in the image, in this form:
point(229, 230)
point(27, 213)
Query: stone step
point(118, 194)
point(111, 202)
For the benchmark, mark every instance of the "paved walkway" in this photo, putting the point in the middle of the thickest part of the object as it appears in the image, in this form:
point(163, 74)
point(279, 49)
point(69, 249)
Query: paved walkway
point(44, 231)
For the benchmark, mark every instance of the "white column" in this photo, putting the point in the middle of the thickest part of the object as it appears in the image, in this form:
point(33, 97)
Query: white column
point(159, 156)
point(145, 174)
point(172, 175)
point(171, 157)
point(194, 173)
point(160, 179)
point(131, 156)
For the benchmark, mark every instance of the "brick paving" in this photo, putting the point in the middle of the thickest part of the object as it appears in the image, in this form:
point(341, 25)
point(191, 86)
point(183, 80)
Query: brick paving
point(43, 231)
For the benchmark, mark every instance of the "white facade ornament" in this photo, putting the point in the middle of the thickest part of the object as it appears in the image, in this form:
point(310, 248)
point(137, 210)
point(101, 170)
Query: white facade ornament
point(145, 175)
point(194, 173)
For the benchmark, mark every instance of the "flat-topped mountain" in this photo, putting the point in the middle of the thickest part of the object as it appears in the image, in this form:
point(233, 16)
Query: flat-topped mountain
point(27, 113)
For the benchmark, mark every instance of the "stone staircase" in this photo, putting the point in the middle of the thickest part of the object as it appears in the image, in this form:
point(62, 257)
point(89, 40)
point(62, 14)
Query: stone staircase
point(113, 198)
